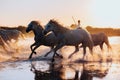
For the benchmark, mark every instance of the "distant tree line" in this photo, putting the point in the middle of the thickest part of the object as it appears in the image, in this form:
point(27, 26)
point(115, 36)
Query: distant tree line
point(108, 31)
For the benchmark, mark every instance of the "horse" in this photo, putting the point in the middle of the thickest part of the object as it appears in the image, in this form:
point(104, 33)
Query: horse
point(69, 37)
point(99, 39)
point(49, 40)
point(8, 35)
point(3, 44)
point(4, 35)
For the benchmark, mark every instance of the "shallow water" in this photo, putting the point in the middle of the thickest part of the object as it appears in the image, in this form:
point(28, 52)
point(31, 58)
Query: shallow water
point(114, 40)
point(19, 68)
point(16, 71)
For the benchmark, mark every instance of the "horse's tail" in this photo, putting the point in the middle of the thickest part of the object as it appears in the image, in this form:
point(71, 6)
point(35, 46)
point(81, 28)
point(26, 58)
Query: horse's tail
point(107, 43)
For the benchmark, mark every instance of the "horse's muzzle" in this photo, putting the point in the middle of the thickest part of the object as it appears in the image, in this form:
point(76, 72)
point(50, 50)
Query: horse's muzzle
point(27, 30)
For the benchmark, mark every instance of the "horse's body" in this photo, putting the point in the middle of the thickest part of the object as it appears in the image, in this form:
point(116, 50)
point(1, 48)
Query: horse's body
point(8, 35)
point(40, 39)
point(69, 37)
point(100, 39)
point(3, 44)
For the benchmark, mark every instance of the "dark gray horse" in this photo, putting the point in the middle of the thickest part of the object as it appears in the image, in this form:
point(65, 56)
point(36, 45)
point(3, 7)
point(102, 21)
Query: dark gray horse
point(99, 39)
point(3, 44)
point(69, 37)
point(8, 35)
point(48, 40)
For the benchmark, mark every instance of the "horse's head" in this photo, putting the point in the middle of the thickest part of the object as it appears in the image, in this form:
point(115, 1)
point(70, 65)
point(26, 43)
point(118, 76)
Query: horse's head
point(50, 26)
point(33, 25)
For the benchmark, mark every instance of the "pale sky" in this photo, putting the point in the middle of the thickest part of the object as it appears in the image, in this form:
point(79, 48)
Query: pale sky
point(98, 13)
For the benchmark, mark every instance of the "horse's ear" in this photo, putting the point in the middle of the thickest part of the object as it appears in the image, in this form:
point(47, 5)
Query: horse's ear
point(51, 20)
point(38, 24)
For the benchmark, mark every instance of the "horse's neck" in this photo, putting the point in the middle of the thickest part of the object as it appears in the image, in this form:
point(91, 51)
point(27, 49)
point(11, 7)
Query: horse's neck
point(37, 31)
point(60, 30)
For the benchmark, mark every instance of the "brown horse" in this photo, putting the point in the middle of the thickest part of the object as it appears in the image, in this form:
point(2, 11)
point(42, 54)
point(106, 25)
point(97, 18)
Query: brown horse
point(99, 39)
point(69, 37)
point(49, 40)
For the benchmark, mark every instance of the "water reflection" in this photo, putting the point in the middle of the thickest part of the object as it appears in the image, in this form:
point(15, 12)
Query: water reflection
point(91, 71)
point(72, 71)
point(51, 74)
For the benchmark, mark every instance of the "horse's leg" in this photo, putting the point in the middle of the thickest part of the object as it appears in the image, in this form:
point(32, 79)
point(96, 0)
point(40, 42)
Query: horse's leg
point(84, 51)
point(8, 43)
point(55, 50)
point(101, 46)
point(91, 51)
point(5, 48)
point(22, 35)
point(16, 41)
point(49, 51)
point(33, 50)
point(31, 55)
point(31, 47)
point(76, 50)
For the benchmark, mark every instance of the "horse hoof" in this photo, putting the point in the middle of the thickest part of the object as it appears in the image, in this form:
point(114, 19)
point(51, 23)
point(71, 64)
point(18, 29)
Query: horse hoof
point(69, 57)
point(53, 60)
point(35, 53)
point(29, 57)
point(61, 56)
point(45, 55)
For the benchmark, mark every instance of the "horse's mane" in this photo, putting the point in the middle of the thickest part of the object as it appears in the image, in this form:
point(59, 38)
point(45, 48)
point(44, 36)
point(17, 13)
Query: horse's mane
point(37, 23)
point(60, 27)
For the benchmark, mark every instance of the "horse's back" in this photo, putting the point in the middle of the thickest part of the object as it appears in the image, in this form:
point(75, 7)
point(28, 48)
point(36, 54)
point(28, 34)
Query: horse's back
point(77, 33)
point(77, 36)
point(99, 38)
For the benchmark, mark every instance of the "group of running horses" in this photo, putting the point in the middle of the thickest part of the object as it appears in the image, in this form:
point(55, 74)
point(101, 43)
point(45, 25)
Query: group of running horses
point(56, 36)
point(6, 37)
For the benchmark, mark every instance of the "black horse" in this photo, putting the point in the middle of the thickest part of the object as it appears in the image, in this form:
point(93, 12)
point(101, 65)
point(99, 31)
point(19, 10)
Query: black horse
point(41, 39)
